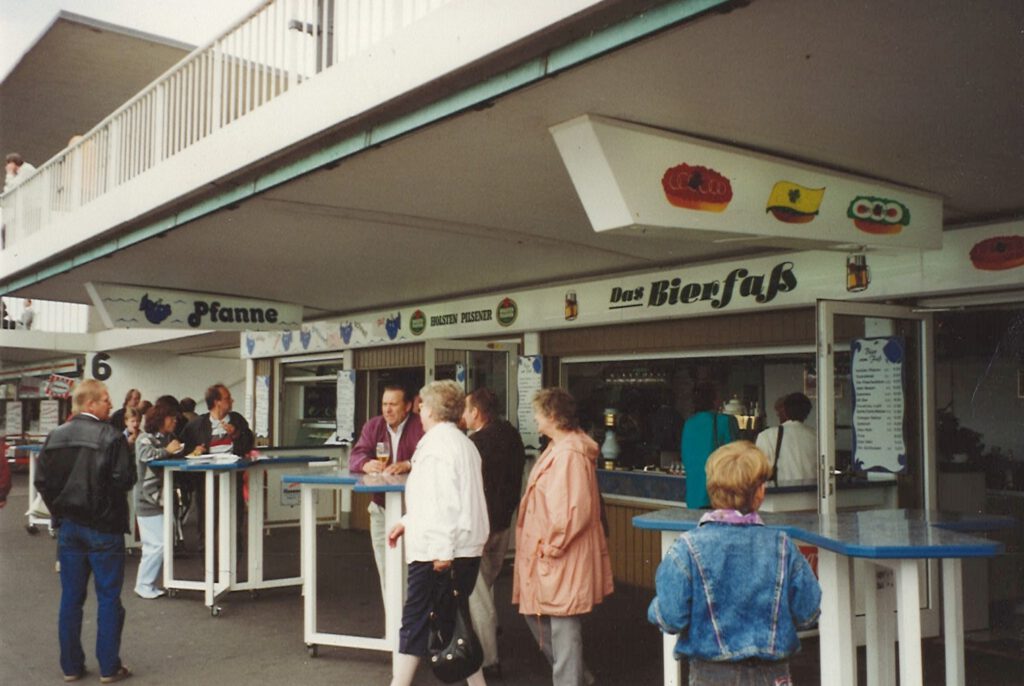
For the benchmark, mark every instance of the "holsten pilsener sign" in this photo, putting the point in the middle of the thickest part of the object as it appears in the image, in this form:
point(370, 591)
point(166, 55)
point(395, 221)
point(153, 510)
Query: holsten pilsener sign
point(132, 307)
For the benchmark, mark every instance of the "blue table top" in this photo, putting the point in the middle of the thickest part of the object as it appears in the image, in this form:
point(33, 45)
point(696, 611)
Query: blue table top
point(204, 465)
point(876, 534)
point(361, 483)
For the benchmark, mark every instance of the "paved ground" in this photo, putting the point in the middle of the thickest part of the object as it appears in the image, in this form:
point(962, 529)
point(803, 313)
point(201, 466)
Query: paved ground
point(259, 640)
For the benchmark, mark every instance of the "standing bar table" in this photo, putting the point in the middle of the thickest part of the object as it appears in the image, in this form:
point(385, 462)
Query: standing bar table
point(220, 566)
point(892, 539)
point(394, 595)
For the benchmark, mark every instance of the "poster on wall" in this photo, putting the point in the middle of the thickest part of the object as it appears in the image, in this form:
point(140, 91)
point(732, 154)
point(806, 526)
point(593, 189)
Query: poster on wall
point(346, 405)
point(261, 422)
point(13, 424)
point(49, 415)
point(529, 379)
point(877, 375)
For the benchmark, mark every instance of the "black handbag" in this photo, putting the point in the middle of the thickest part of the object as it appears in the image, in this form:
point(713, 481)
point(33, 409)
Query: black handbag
point(461, 656)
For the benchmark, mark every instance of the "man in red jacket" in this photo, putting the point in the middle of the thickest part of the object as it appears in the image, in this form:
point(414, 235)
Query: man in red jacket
point(400, 430)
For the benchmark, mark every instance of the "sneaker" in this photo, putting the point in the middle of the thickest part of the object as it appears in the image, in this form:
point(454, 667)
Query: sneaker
point(151, 593)
point(120, 675)
point(68, 678)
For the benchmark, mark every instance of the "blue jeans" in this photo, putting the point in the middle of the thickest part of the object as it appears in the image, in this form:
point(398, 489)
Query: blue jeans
point(81, 551)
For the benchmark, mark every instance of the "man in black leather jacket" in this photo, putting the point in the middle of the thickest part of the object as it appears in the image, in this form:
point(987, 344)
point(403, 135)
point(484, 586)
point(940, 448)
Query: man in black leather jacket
point(84, 473)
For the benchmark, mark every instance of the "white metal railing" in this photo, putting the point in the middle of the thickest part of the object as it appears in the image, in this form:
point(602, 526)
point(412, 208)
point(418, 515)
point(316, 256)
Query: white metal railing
point(45, 315)
point(277, 47)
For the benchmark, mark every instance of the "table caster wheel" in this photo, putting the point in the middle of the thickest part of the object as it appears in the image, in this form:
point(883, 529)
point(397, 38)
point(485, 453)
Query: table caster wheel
point(215, 611)
point(312, 650)
point(53, 533)
point(172, 592)
point(32, 529)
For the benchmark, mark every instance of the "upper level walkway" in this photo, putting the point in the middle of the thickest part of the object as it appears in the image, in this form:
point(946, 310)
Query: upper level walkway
point(290, 70)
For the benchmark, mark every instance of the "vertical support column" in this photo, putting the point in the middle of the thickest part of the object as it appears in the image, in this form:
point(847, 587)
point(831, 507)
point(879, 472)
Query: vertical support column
point(952, 616)
point(307, 523)
point(837, 650)
point(670, 665)
point(394, 562)
point(879, 627)
point(254, 517)
point(908, 619)
point(168, 488)
point(228, 518)
point(209, 571)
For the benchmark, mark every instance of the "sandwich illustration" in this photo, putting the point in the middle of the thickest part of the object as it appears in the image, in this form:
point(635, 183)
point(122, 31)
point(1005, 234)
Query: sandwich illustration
point(878, 215)
point(794, 204)
point(694, 187)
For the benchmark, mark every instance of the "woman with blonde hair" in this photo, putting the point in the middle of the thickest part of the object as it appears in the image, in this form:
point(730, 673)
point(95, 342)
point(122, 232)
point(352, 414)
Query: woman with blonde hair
point(562, 569)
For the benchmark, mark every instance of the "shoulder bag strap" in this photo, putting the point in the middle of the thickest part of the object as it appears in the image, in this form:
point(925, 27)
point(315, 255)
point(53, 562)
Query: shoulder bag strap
point(778, 455)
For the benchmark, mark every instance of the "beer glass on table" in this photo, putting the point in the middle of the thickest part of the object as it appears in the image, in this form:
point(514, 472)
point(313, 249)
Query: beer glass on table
point(383, 454)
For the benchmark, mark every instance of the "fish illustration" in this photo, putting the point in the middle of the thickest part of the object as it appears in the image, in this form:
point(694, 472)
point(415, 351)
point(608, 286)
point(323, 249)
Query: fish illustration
point(304, 337)
point(392, 325)
point(346, 332)
point(156, 311)
point(286, 339)
point(250, 344)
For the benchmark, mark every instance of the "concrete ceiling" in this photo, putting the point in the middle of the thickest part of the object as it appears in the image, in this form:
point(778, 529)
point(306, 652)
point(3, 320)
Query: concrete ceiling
point(924, 94)
point(79, 71)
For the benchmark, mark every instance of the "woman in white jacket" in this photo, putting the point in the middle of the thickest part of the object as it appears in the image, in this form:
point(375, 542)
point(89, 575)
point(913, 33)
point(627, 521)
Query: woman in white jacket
point(445, 525)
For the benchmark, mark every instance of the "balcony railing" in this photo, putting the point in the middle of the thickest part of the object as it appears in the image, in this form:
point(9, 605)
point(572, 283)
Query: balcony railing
point(278, 47)
point(46, 315)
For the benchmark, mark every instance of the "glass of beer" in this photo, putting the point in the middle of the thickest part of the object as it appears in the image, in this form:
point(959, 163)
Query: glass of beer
point(383, 454)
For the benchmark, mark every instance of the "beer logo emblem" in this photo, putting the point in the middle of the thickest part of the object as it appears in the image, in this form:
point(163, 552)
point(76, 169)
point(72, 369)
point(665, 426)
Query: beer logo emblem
point(507, 312)
point(417, 323)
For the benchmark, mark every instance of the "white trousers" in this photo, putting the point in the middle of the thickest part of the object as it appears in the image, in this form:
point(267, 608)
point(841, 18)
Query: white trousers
point(379, 541)
point(482, 609)
point(151, 530)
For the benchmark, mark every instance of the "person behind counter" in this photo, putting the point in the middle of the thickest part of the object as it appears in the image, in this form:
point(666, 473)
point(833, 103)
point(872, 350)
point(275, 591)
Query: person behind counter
point(791, 448)
point(445, 527)
point(562, 568)
point(734, 590)
point(703, 432)
point(400, 430)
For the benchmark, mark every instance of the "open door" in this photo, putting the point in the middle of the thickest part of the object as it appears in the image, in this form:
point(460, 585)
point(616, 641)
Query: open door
point(876, 415)
point(474, 364)
point(878, 419)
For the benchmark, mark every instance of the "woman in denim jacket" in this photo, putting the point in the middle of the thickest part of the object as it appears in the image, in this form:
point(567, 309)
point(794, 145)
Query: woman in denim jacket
point(734, 590)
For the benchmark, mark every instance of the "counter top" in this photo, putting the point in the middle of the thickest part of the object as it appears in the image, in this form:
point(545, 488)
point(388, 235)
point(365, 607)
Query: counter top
point(876, 534)
point(361, 483)
point(672, 487)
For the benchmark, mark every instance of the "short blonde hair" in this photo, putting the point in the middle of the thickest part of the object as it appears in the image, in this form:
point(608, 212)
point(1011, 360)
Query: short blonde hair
point(734, 473)
point(446, 400)
point(87, 391)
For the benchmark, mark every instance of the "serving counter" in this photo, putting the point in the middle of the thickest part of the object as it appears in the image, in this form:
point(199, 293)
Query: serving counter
point(635, 553)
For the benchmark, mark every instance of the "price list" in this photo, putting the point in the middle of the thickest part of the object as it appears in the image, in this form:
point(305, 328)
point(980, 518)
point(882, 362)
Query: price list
point(878, 404)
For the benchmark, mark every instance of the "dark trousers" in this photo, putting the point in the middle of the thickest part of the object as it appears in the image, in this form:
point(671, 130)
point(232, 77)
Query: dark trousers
point(432, 591)
point(83, 551)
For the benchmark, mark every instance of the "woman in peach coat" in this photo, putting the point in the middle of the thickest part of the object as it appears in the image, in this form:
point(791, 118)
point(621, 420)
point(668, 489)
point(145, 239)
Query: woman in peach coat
point(562, 568)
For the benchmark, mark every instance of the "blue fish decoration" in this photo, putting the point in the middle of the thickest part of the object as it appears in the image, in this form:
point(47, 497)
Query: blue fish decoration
point(156, 311)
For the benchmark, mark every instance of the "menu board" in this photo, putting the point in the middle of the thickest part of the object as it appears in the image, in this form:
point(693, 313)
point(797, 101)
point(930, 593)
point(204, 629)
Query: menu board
point(49, 415)
point(345, 413)
point(877, 375)
point(261, 421)
point(13, 427)
point(529, 380)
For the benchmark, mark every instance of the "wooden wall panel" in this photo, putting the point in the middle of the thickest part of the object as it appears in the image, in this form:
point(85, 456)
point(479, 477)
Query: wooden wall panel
point(635, 553)
point(786, 327)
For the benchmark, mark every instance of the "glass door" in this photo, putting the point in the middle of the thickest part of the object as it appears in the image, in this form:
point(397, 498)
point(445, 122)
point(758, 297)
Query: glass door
point(476, 364)
point(876, 400)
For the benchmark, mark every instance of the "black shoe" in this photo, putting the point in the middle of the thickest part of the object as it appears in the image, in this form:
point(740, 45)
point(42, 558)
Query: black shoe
point(492, 671)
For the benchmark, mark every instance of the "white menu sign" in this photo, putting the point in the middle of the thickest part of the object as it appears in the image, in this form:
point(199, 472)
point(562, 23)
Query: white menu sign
point(49, 415)
point(13, 427)
point(529, 378)
point(876, 372)
point(345, 412)
point(261, 420)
